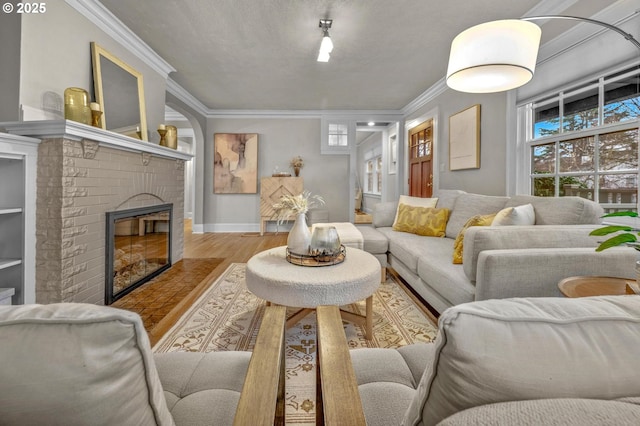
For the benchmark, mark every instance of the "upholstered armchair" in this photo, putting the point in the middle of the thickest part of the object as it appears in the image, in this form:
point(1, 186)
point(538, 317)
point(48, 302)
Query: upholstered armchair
point(78, 364)
point(528, 361)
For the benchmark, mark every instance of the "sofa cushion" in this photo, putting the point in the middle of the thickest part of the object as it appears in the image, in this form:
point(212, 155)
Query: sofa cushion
point(387, 380)
point(408, 248)
point(446, 278)
point(520, 349)
point(384, 214)
point(560, 210)
point(519, 215)
point(373, 241)
point(201, 387)
point(447, 197)
point(468, 205)
point(458, 244)
point(413, 202)
point(425, 221)
point(74, 363)
point(549, 412)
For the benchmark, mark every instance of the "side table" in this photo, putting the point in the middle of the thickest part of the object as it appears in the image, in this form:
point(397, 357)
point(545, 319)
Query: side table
point(586, 286)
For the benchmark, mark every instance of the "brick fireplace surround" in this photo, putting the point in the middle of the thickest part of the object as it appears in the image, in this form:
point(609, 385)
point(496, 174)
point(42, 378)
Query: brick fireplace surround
point(82, 173)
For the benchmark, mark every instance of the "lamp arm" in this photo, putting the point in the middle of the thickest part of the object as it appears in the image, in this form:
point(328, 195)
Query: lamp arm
point(592, 21)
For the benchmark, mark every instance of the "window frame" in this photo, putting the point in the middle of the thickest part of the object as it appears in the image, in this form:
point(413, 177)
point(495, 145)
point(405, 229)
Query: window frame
point(526, 118)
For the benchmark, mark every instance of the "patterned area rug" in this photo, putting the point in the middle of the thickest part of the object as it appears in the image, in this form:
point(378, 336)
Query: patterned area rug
point(227, 317)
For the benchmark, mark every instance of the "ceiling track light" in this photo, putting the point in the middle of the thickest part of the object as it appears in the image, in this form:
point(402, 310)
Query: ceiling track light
point(326, 46)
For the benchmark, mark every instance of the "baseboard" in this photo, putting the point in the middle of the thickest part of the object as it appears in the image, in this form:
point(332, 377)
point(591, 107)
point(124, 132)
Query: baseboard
point(231, 227)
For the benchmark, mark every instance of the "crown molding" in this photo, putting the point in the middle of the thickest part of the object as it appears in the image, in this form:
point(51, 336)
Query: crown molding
point(99, 15)
point(191, 101)
point(425, 97)
point(617, 14)
point(343, 114)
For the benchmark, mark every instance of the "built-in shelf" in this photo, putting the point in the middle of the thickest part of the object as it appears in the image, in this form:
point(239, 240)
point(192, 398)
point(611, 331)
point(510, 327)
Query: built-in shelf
point(11, 211)
point(18, 163)
point(7, 263)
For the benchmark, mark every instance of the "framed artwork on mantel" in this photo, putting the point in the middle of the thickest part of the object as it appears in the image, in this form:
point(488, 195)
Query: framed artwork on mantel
point(464, 139)
point(235, 163)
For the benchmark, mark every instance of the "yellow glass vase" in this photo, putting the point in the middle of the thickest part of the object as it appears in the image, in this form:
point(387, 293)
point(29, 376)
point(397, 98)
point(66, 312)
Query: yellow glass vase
point(76, 105)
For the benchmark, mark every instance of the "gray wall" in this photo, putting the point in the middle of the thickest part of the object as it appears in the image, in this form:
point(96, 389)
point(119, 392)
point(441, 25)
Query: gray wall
point(56, 54)
point(490, 178)
point(10, 25)
point(279, 140)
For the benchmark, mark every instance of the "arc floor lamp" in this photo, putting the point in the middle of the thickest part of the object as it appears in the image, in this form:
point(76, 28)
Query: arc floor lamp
point(501, 55)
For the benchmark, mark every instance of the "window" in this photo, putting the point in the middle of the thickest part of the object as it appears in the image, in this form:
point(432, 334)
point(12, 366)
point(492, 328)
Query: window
point(373, 175)
point(583, 141)
point(337, 135)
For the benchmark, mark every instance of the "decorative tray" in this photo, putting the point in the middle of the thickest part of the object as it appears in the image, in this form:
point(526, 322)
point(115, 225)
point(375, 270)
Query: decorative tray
point(281, 174)
point(316, 260)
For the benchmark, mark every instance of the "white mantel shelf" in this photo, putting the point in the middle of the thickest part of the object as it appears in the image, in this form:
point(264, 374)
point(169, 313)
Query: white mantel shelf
point(67, 129)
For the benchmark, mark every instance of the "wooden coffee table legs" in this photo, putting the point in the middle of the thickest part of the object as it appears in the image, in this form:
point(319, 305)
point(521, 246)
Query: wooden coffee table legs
point(365, 320)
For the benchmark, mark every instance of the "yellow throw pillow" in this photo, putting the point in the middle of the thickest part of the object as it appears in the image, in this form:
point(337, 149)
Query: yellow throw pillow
point(477, 220)
point(414, 202)
point(425, 221)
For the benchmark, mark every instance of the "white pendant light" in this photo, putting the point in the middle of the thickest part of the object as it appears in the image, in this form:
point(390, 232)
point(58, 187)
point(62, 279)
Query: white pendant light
point(494, 56)
point(326, 46)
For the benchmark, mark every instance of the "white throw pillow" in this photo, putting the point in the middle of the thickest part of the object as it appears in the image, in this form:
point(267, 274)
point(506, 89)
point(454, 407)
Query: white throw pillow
point(520, 215)
point(414, 202)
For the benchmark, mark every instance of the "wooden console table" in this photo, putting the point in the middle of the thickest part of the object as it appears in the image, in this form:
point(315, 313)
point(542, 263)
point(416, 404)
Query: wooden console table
point(597, 286)
point(271, 189)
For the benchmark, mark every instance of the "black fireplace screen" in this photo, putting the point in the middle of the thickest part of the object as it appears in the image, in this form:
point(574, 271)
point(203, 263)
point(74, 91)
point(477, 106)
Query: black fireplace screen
point(138, 248)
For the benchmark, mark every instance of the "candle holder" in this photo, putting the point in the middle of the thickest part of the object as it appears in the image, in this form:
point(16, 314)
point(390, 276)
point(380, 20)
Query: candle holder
point(95, 118)
point(163, 140)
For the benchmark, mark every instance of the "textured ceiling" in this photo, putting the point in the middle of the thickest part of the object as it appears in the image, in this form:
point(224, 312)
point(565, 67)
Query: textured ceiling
point(261, 54)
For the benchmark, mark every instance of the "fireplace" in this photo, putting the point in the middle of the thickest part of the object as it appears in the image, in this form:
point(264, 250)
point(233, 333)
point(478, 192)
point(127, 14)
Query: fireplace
point(138, 248)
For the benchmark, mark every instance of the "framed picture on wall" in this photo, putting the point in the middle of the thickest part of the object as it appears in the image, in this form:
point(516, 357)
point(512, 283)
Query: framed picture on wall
point(235, 163)
point(464, 139)
point(393, 154)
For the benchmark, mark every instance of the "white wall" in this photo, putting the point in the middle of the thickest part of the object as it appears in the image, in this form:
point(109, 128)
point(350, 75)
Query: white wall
point(279, 140)
point(10, 25)
point(56, 54)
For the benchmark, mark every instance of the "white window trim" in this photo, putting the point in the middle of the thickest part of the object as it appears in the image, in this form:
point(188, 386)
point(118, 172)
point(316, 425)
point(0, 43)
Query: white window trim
point(325, 148)
point(524, 129)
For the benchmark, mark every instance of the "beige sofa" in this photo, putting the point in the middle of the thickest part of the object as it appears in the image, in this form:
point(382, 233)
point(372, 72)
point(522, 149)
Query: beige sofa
point(521, 361)
point(79, 364)
point(498, 261)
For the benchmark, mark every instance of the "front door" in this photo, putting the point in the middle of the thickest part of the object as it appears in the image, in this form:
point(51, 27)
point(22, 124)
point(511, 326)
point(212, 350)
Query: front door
point(420, 160)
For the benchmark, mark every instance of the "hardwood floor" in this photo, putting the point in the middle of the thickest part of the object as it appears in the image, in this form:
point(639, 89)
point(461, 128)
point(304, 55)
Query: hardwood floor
point(163, 300)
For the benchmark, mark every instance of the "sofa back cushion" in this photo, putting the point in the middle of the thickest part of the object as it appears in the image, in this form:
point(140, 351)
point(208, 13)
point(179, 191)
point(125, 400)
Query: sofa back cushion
point(384, 214)
point(560, 210)
point(447, 197)
point(74, 363)
point(521, 349)
point(469, 205)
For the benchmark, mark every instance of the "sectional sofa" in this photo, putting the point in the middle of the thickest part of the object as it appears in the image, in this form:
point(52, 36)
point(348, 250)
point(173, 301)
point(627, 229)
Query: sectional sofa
point(497, 261)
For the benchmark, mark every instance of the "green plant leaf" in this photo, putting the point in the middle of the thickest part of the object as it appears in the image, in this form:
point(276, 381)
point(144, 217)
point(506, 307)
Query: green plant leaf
point(616, 241)
point(609, 229)
point(625, 213)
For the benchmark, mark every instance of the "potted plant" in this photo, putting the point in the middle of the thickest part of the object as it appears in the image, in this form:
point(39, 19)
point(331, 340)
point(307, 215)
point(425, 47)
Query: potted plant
point(627, 237)
point(289, 205)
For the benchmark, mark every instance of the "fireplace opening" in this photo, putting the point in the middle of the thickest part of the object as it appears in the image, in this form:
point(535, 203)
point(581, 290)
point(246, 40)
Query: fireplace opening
point(138, 248)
